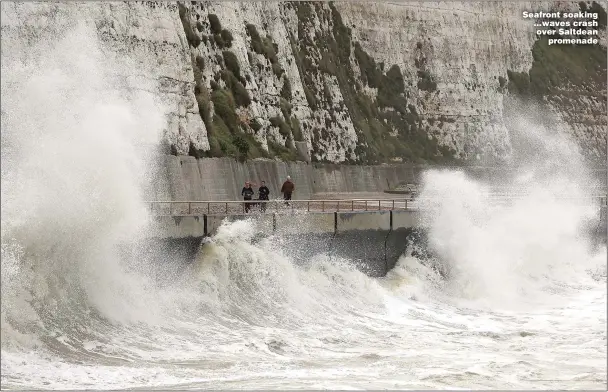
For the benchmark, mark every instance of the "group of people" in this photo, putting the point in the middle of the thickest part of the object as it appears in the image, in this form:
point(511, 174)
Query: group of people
point(264, 193)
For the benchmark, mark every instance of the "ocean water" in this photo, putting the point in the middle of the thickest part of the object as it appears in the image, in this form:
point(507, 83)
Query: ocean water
point(523, 306)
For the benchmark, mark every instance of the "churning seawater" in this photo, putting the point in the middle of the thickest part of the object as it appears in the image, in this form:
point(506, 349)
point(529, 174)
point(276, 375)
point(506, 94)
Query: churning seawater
point(524, 305)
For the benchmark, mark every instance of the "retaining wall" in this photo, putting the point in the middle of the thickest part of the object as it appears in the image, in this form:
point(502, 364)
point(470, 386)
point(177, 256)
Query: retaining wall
point(187, 178)
point(371, 240)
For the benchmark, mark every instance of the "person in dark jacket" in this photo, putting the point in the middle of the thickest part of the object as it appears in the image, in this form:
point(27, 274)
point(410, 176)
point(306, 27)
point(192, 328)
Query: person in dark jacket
point(247, 194)
point(264, 193)
point(287, 189)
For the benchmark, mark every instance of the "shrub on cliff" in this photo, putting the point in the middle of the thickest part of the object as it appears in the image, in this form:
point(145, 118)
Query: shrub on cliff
point(198, 75)
point(266, 47)
point(280, 123)
point(303, 11)
point(342, 35)
point(296, 129)
point(256, 40)
point(196, 152)
point(285, 107)
point(215, 149)
point(227, 38)
point(269, 50)
point(255, 125)
point(241, 144)
point(222, 138)
point(310, 98)
point(200, 62)
point(426, 81)
point(223, 103)
point(367, 65)
point(239, 92)
point(202, 99)
point(556, 67)
point(286, 90)
point(390, 90)
point(219, 41)
point(282, 152)
point(232, 63)
point(192, 37)
point(277, 70)
point(214, 23)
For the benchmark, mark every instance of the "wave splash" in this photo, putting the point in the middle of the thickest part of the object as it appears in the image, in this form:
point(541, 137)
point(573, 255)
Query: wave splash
point(72, 171)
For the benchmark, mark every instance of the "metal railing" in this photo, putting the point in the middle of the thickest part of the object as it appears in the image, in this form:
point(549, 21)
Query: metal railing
point(225, 207)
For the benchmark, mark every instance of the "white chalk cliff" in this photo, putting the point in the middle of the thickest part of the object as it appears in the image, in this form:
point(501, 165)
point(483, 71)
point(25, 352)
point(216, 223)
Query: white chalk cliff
point(367, 82)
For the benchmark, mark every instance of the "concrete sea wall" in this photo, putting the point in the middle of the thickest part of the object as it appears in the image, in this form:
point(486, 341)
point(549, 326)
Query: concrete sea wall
point(187, 178)
point(371, 241)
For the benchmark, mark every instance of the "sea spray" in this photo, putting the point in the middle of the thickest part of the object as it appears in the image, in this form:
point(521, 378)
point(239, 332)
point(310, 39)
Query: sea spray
point(71, 181)
point(505, 250)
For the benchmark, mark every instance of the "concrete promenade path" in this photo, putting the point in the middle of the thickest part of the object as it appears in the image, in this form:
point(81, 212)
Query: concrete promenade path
point(324, 203)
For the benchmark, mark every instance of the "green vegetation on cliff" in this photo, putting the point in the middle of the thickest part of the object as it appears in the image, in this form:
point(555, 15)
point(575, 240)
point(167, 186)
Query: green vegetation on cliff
point(287, 127)
point(557, 68)
point(566, 76)
point(227, 133)
point(222, 37)
point(386, 126)
point(266, 47)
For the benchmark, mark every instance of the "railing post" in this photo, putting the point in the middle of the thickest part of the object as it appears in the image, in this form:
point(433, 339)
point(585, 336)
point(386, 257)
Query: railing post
point(379, 201)
point(406, 204)
point(393, 205)
point(352, 205)
point(226, 208)
point(308, 205)
point(323, 205)
point(338, 208)
point(189, 208)
point(365, 205)
point(208, 208)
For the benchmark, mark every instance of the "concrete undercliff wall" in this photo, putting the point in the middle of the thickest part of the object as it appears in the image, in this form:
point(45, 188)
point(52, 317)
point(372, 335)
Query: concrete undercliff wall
point(371, 241)
point(187, 178)
point(339, 82)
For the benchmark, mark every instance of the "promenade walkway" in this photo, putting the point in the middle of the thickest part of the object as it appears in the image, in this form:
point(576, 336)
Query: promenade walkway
point(202, 207)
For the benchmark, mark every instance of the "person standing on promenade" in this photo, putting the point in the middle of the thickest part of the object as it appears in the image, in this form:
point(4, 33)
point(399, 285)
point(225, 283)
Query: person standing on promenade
point(287, 189)
point(264, 193)
point(247, 194)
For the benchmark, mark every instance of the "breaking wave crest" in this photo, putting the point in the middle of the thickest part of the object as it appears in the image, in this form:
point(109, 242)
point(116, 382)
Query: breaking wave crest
point(534, 242)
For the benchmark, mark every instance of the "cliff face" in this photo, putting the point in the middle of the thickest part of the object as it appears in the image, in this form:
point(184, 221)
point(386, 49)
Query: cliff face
point(347, 81)
point(149, 35)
